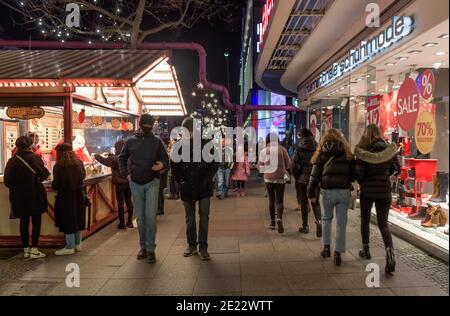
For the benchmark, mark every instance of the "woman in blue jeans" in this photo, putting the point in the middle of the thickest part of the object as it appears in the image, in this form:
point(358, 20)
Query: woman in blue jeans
point(70, 209)
point(333, 170)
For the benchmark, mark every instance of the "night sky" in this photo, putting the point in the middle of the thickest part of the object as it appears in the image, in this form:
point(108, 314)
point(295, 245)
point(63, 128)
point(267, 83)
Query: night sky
point(217, 38)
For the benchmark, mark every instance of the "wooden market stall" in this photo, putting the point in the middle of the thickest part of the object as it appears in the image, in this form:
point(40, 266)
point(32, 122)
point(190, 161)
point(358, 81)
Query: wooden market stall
point(90, 98)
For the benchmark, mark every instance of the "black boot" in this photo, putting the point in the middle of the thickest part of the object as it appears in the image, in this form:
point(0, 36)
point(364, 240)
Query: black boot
point(390, 260)
point(365, 252)
point(304, 229)
point(319, 230)
point(326, 252)
point(443, 188)
point(337, 259)
point(420, 214)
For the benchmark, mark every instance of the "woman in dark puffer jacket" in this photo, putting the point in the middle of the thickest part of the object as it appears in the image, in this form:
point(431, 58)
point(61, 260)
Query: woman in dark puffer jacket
point(301, 170)
point(376, 162)
point(333, 169)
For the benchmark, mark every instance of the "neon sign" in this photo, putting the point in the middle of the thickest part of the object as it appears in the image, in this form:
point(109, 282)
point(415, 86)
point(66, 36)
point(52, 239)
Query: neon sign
point(267, 11)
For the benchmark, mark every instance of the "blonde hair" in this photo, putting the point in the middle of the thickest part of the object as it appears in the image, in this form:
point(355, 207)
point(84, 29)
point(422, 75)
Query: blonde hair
point(371, 133)
point(332, 135)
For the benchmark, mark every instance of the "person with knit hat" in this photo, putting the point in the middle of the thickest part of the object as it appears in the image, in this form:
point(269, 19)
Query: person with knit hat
point(23, 176)
point(141, 160)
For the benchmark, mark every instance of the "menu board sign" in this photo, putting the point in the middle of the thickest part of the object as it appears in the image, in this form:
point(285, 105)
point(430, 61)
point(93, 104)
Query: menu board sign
point(49, 129)
point(25, 113)
point(11, 133)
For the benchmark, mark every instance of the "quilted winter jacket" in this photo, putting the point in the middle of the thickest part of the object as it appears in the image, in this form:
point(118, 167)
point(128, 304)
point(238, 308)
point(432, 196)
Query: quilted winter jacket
point(302, 166)
point(373, 169)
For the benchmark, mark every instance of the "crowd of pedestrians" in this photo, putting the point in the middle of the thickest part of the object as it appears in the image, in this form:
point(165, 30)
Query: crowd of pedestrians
point(324, 174)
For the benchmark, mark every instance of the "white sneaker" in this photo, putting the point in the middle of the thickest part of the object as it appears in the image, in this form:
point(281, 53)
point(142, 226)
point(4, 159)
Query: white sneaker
point(64, 252)
point(26, 252)
point(77, 248)
point(36, 254)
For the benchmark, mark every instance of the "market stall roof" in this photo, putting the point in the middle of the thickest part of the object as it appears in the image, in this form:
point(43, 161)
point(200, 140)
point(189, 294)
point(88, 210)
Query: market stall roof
point(75, 64)
point(146, 73)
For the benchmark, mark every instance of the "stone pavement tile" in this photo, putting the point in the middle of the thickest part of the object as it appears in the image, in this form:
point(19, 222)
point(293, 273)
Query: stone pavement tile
point(174, 271)
point(318, 292)
point(268, 293)
point(136, 269)
point(119, 250)
point(348, 266)
point(177, 250)
point(222, 258)
point(257, 257)
point(311, 282)
point(251, 233)
point(224, 247)
point(302, 267)
point(220, 270)
point(350, 281)
point(165, 242)
point(272, 283)
point(87, 287)
point(34, 288)
point(376, 252)
point(97, 271)
point(218, 285)
point(218, 233)
point(106, 261)
point(54, 267)
point(369, 292)
point(261, 269)
point(183, 285)
point(256, 248)
point(296, 255)
point(255, 239)
point(399, 267)
point(419, 291)
point(233, 294)
point(405, 279)
point(121, 287)
point(178, 259)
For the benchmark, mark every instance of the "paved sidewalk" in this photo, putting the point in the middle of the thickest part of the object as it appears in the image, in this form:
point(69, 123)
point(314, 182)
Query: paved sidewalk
point(247, 259)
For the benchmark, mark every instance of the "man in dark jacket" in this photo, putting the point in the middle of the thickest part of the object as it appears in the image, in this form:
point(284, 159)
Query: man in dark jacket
point(301, 169)
point(196, 183)
point(23, 176)
point(123, 192)
point(141, 160)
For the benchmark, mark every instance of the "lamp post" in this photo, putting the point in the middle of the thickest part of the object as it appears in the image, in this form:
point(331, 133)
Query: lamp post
point(227, 55)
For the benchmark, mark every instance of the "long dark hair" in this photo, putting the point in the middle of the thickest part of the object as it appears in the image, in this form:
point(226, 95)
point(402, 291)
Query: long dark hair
point(65, 156)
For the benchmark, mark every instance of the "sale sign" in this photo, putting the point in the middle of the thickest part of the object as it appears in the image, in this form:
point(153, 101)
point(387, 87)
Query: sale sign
point(408, 104)
point(328, 119)
point(427, 84)
point(425, 132)
point(373, 110)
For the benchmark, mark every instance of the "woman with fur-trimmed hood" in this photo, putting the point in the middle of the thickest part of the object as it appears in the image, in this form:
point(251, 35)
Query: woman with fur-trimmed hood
point(376, 162)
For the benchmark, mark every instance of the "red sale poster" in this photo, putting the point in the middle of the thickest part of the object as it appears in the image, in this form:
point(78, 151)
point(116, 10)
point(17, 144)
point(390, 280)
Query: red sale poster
point(388, 115)
point(373, 110)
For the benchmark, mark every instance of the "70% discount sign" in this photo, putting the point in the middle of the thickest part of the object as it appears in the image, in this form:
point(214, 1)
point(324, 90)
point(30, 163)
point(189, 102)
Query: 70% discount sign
point(425, 132)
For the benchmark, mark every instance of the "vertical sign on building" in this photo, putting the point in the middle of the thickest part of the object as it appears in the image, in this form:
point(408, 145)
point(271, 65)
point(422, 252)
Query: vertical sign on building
point(373, 110)
point(267, 11)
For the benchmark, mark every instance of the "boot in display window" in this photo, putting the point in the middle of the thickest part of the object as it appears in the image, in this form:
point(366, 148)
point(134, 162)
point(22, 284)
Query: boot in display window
point(440, 193)
point(438, 218)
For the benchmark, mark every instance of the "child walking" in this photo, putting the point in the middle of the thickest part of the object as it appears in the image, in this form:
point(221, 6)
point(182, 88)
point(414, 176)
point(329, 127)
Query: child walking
point(241, 172)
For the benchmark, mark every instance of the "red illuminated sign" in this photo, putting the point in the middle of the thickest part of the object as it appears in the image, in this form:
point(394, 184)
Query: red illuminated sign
point(267, 11)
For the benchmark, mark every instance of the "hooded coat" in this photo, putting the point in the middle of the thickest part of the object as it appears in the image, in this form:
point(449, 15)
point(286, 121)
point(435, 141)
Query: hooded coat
point(26, 193)
point(139, 155)
point(374, 167)
point(332, 170)
point(195, 178)
point(302, 166)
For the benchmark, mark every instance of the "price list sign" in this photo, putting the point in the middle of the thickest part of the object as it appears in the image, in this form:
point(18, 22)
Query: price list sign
point(373, 110)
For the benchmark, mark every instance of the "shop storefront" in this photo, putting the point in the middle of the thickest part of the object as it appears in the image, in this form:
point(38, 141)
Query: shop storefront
point(89, 98)
point(397, 78)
